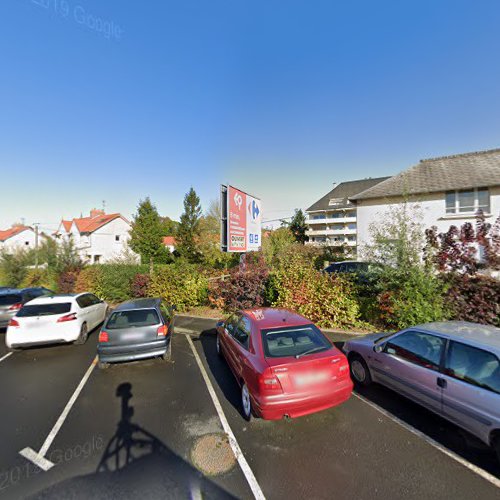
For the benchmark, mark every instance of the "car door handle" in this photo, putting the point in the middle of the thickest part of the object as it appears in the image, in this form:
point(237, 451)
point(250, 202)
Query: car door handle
point(441, 382)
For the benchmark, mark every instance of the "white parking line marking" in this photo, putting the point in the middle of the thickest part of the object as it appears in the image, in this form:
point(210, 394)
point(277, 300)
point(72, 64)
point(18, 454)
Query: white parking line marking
point(5, 357)
point(38, 458)
point(477, 470)
point(247, 471)
point(184, 331)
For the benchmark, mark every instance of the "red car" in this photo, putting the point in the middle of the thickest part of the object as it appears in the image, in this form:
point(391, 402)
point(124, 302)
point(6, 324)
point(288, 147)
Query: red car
point(283, 363)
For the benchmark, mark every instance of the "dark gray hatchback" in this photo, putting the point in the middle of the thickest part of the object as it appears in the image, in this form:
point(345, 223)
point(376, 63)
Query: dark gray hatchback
point(136, 329)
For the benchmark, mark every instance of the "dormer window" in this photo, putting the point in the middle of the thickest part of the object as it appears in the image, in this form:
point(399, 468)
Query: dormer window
point(468, 201)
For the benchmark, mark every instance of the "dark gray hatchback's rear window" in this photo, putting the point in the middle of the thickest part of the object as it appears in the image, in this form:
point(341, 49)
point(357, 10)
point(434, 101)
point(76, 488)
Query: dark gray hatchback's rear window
point(44, 309)
point(133, 318)
point(9, 299)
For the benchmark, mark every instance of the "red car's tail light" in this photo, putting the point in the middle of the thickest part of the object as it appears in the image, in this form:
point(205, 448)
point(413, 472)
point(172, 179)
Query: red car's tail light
point(268, 382)
point(15, 307)
point(103, 337)
point(67, 317)
point(162, 331)
point(13, 322)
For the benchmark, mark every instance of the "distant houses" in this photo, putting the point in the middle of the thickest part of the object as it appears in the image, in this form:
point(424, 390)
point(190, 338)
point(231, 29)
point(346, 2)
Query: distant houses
point(170, 243)
point(98, 238)
point(18, 237)
point(448, 190)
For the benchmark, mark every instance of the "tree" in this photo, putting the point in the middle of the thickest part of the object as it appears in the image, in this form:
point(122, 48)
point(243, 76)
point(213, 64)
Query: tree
point(298, 227)
point(188, 231)
point(405, 288)
point(147, 233)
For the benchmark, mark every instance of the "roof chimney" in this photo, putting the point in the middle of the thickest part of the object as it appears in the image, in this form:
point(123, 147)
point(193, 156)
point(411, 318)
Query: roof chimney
point(96, 212)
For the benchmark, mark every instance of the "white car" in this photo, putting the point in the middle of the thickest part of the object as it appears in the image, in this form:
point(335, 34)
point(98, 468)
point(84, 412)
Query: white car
point(55, 319)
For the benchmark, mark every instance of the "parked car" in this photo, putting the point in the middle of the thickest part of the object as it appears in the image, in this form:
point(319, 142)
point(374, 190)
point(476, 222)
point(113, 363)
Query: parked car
point(137, 329)
point(55, 319)
point(451, 368)
point(283, 364)
point(12, 299)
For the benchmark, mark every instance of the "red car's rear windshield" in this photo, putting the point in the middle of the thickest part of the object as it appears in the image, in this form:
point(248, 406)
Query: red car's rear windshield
point(293, 341)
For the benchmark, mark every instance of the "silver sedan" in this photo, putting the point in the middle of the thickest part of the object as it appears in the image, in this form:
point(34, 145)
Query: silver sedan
point(452, 368)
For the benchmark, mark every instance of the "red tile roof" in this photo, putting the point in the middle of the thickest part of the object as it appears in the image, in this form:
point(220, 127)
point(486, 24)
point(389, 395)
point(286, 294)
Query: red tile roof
point(92, 223)
point(8, 233)
point(169, 240)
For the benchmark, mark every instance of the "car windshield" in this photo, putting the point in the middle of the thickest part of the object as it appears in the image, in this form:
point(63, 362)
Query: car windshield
point(293, 341)
point(9, 299)
point(44, 309)
point(133, 318)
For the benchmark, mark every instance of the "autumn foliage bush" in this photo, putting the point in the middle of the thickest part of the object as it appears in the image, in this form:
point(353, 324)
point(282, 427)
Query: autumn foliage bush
point(327, 300)
point(181, 285)
point(244, 288)
point(140, 285)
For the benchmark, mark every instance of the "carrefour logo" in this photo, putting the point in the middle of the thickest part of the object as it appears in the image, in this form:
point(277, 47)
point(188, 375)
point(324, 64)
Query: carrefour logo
point(253, 209)
point(238, 200)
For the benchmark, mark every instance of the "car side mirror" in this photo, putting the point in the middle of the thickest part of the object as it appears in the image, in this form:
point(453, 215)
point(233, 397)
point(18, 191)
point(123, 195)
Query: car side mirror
point(379, 347)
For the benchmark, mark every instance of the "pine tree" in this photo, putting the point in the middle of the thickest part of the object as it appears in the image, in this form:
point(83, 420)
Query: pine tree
point(188, 231)
point(146, 234)
point(298, 226)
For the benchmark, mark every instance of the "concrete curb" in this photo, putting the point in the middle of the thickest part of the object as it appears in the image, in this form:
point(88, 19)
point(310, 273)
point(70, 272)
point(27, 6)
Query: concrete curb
point(326, 330)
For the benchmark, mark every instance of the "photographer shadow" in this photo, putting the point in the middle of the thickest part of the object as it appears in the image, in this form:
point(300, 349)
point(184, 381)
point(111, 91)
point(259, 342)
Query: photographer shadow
point(136, 464)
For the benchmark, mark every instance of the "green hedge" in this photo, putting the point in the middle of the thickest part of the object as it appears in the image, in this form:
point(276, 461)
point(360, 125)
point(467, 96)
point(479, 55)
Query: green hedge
point(110, 282)
point(181, 285)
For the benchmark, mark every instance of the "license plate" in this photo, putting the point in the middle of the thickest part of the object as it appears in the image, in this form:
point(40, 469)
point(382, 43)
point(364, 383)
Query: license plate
point(311, 378)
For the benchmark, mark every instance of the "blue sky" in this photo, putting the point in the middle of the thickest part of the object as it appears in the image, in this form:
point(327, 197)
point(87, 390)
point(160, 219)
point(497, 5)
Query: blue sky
point(281, 98)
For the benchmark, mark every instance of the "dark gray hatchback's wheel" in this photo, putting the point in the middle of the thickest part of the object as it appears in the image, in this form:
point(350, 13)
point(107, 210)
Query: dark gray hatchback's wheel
point(360, 372)
point(168, 354)
point(82, 338)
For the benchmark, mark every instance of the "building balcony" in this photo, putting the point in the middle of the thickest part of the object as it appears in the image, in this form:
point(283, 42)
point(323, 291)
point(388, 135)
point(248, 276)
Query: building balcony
point(331, 232)
point(332, 220)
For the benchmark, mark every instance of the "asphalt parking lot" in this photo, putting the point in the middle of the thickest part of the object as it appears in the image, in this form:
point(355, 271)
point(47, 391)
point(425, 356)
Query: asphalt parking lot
point(148, 428)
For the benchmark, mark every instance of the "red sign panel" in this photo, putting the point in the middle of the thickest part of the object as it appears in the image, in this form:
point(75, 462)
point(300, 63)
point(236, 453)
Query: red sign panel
point(237, 220)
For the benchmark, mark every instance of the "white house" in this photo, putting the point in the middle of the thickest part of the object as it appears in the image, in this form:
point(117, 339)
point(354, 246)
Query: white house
point(445, 191)
point(18, 237)
point(98, 238)
point(332, 220)
point(170, 243)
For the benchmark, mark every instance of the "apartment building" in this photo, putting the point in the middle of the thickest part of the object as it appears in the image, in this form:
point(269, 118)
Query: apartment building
point(332, 220)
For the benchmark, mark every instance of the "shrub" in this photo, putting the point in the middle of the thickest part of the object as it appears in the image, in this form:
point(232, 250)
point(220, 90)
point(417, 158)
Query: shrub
point(474, 299)
point(180, 285)
point(89, 280)
point(39, 277)
point(115, 284)
point(13, 268)
point(140, 285)
point(410, 296)
point(243, 289)
point(67, 281)
point(328, 301)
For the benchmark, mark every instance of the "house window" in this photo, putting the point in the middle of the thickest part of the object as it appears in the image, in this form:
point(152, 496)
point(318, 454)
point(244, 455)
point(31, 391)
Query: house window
point(468, 201)
point(97, 259)
point(117, 237)
point(352, 225)
point(26, 243)
point(351, 238)
point(316, 217)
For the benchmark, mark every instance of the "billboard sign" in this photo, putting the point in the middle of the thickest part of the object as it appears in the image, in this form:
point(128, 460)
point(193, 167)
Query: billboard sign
point(241, 221)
